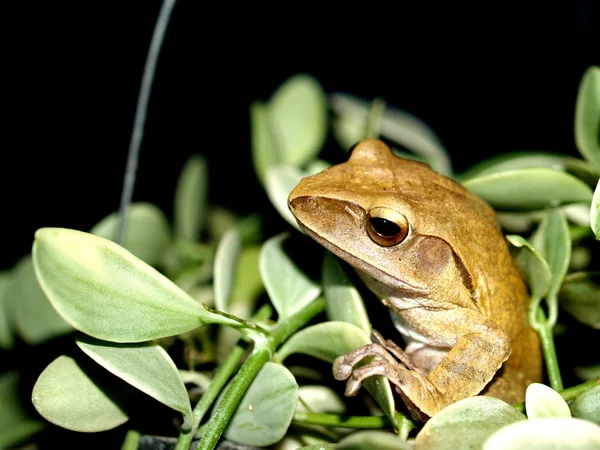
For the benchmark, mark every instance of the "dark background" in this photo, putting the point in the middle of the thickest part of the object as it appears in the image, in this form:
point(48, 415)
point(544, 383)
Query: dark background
point(487, 80)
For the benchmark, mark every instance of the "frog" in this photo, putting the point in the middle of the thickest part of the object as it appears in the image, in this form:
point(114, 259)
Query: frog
point(434, 254)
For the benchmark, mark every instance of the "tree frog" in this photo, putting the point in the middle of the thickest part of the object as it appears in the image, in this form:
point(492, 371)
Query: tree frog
point(432, 252)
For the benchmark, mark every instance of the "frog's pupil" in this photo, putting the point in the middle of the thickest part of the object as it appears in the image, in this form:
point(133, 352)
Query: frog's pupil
point(384, 227)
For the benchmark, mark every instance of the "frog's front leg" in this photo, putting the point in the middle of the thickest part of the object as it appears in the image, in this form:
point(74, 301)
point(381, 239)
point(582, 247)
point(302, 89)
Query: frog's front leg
point(464, 372)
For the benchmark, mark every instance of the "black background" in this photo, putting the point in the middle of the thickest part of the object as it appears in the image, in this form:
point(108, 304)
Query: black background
point(487, 80)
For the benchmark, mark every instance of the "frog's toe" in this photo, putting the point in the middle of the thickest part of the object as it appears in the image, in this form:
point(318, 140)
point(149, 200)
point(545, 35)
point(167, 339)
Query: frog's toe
point(352, 387)
point(341, 369)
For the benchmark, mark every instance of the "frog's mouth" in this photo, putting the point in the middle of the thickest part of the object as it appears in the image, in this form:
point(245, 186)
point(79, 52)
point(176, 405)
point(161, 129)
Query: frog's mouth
point(339, 226)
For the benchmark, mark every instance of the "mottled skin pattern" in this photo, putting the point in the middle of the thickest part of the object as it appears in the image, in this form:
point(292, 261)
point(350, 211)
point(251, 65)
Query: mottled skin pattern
point(451, 285)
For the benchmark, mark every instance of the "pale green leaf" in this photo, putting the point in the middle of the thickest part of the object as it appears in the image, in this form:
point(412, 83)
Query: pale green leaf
point(466, 424)
point(533, 267)
point(395, 124)
point(66, 396)
point(373, 440)
point(587, 116)
point(515, 160)
point(145, 366)
point(225, 265)
point(595, 212)
point(580, 297)
point(265, 154)
point(6, 332)
point(553, 242)
point(545, 434)
point(317, 447)
point(279, 182)
point(529, 189)
point(542, 402)
point(342, 299)
point(191, 199)
point(587, 373)
point(35, 319)
point(103, 290)
point(15, 423)
point(587, 405)
point(320, 399)
point(327, 341)
point(147, 233)
point(266, 409)
point(297, 119)
point(289, 288)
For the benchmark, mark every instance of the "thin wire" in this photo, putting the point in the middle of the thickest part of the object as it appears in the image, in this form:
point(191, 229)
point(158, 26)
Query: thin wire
point(140, 115)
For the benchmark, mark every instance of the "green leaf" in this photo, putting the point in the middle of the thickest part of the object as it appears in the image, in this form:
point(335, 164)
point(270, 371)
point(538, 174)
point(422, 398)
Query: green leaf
point(327, 341)
point(515, 160)
point(544, 434)
point(587, 405)
point(191, 199)
point(297, 119)
point(373, 439)
point(542, 402)
point(265, 153)
point(289, 289)
point(395, 124)
point(553, 243)
point(580, 297)
point(225, 265)
point(595, 212)
point(147, 235)
point(529, 189)
point(342, 299)
point(247, 285)
point(6, 333)
point(15, 423)
point(145, 366)
point(587, 116)
point(320, 399)
point(466, 424)
point(265, 412)
point(66, 396)
point(35, 318)
point(279, 182)
point(106, 292)
point(317, 447)
point(535, 270)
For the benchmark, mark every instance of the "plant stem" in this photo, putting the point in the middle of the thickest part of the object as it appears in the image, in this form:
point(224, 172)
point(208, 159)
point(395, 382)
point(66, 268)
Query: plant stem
point(140, 114)
point(232, 397)
point(262, 353)
point(132, 439)
point(547, 341)
point(220, 379)
point(570, 393)
point(334, 420)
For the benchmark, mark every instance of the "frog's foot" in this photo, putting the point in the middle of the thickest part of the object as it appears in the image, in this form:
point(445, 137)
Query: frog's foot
point(393, 348)
point(418, 393)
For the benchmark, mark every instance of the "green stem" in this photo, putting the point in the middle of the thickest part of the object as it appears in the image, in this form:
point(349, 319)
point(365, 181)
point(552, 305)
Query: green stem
point(573, 392)
point(132, 439)
point(569, 394)
point(263, 352)
point(225, 371)
point(218, 382)
point(232, 397)
point(547, 341)
point(333, 420)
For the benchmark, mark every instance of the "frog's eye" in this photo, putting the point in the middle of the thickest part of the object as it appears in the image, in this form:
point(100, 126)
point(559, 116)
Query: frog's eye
point(386, 226)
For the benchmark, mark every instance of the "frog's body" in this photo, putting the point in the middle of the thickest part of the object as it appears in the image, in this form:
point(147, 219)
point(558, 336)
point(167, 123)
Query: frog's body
point(432, 253)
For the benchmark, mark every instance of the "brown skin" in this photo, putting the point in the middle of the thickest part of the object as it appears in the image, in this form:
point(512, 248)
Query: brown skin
point(442, 267)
